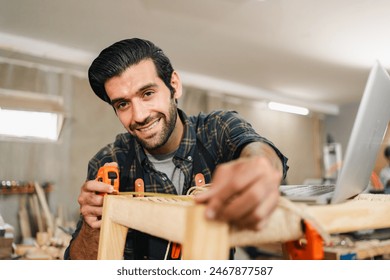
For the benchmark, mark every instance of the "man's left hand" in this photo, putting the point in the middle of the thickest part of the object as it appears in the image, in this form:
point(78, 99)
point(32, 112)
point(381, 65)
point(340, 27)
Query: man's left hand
point(243, 192)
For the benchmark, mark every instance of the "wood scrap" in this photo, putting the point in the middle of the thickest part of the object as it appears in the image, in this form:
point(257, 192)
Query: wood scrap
point(36, 212)
point(45, 206)
point(24, 220)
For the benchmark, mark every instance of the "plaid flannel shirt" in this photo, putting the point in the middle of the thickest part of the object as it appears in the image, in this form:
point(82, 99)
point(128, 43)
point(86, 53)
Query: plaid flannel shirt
point(222, 134)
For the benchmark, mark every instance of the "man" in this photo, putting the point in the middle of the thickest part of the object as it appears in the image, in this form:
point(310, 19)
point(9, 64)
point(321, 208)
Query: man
point(167, 149)
point(385, 172)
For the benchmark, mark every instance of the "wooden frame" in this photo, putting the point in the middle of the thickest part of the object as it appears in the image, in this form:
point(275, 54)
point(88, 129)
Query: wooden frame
point(180, 220)
point(173, 219)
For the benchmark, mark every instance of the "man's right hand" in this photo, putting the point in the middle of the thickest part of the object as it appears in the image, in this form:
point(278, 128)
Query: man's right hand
point(91, 201)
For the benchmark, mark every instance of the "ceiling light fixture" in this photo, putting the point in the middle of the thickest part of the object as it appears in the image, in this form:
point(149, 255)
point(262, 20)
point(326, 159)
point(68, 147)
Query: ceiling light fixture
point(288, 108)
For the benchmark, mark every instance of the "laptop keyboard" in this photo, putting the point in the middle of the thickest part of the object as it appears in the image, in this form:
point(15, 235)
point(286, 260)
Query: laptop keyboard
point(306, 190)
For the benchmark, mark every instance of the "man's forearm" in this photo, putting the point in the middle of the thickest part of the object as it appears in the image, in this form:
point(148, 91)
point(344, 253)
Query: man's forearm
point(262, 149)
point(85, 245)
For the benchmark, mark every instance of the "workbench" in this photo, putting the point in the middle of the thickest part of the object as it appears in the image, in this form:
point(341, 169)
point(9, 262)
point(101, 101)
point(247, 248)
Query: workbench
point(361, 250)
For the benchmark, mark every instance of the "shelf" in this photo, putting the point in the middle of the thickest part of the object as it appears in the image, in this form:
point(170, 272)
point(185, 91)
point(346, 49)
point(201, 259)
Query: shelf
point(17, 187)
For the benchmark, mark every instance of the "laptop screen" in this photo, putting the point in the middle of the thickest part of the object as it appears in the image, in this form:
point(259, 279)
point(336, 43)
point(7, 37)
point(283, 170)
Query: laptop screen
point(366, 137)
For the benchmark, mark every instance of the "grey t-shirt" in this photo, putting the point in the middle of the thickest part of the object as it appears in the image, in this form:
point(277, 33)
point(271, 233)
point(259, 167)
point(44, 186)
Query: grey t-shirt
point(164, 164)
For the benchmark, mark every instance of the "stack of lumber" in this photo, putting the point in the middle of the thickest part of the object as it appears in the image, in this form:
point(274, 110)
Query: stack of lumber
point(44, 235)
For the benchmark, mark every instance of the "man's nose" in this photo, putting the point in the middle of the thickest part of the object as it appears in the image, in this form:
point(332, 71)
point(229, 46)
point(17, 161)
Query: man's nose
point(140, 112)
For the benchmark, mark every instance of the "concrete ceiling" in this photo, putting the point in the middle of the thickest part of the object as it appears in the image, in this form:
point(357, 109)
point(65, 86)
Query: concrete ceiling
point(315, 53)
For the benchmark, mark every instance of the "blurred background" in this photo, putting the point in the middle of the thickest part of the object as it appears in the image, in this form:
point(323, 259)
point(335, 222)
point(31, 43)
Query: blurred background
point(231, 54)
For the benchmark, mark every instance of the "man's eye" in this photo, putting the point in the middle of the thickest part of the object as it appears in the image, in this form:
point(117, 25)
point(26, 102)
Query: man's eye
point(148, 93)
point(122, 105)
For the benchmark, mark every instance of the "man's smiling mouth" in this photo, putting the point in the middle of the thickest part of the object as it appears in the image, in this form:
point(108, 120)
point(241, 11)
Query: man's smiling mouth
point(149, 127)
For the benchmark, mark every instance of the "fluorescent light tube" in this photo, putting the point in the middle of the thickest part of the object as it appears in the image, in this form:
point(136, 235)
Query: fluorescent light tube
point(288, 108)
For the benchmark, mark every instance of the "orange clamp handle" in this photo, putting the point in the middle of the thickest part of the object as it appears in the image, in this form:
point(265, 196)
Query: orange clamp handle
point(109, 174)
point(175, 251)
point(139, 186)
point(310, 248)
point(199, 180)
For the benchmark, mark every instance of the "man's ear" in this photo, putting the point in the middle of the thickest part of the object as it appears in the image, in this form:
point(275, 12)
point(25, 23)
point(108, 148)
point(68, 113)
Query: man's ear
point(176, 84)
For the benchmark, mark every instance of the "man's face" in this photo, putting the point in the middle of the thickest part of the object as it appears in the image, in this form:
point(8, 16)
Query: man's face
point(145, 107)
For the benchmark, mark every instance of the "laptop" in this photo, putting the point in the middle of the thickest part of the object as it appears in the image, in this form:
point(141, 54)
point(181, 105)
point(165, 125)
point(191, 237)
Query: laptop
point(365, 140)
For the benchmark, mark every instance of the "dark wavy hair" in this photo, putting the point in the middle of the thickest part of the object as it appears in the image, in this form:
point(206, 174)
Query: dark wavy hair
point(115, 59)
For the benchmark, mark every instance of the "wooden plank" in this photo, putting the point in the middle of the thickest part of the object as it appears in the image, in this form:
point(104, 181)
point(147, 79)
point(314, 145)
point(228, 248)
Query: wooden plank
point(45, 206)
point(161, 217)
point(283, 225)
point(24, 220)
point(36, 212)
point(352, 215)
point(204, 239)
point(112, 235)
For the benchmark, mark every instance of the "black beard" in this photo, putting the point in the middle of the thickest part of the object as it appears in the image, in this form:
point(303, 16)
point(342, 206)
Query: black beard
point(166, 132)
